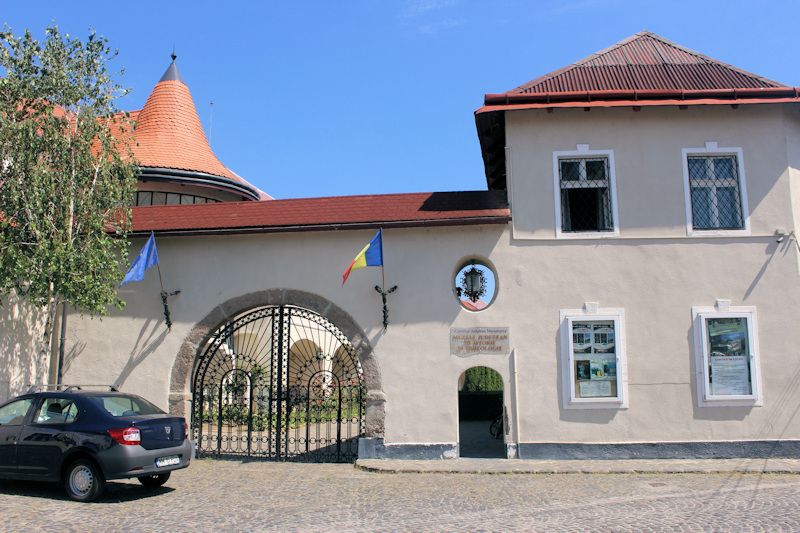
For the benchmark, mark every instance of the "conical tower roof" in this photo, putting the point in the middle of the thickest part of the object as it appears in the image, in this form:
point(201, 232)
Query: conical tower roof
point(170, 137)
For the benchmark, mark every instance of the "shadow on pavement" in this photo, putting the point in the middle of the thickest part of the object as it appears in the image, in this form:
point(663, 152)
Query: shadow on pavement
point(116, 492)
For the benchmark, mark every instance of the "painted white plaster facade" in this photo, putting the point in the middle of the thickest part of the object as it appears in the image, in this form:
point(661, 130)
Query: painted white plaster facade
point(653, 270)
point(656, 276)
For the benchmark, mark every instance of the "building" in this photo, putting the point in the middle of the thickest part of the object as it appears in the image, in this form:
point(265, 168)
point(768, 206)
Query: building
point(637, 280)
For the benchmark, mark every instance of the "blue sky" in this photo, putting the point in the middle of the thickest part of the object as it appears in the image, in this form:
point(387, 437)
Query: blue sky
point(317, 98)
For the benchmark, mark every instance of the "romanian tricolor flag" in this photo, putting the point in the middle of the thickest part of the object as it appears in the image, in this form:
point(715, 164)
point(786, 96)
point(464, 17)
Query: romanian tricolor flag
point(370, 256)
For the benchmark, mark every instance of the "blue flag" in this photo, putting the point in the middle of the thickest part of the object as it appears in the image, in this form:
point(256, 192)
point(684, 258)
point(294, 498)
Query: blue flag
point(146, 258)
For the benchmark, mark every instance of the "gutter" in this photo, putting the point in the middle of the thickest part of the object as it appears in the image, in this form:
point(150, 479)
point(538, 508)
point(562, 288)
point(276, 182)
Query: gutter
point(588, 96)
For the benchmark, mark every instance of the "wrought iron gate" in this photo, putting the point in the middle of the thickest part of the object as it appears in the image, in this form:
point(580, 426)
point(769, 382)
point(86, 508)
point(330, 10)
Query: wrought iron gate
point(280, 383)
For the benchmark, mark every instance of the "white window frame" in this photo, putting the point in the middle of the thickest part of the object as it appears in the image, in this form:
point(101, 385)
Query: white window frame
point(591, 313)
point(583, 151)
point(709, 150)
point(701, 356)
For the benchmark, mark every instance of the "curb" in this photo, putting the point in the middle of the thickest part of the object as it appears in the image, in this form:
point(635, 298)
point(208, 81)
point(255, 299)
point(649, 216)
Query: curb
point(577, 470)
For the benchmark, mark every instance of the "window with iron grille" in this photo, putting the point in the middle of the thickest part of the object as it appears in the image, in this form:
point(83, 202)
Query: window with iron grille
point(585, 195)
point(715, 192)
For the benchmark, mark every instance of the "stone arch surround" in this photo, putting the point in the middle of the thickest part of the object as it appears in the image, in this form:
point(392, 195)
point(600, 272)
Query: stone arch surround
point(180, 379)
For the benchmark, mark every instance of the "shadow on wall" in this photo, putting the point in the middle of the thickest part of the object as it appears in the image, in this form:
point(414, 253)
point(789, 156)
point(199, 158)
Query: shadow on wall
point(22, 362)
point(147, 342)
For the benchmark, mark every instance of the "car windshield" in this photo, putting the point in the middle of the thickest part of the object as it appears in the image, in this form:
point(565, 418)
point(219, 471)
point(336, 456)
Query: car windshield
point(124, 405)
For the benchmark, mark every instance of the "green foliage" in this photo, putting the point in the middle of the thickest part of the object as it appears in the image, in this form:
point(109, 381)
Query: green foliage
point(482, 379)
point(66, 183)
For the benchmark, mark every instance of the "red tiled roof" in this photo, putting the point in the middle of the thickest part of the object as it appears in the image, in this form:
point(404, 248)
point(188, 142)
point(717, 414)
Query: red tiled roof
point(169, 133)
point(337, 212)
point(643, 68)
point(476, 306)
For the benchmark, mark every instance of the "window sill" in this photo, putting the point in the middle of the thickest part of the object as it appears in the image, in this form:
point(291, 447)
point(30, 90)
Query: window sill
point(700, 233)
point(587, 235)
point(596, 403)
point(733, 401)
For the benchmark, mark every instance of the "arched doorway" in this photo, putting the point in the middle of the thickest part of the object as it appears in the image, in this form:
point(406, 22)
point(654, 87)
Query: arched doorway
point(481, 424)
point(278, 382)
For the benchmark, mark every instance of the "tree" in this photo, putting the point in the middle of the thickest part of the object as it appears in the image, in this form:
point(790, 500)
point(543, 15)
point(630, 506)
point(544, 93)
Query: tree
point(67, 176)
point(482, 379)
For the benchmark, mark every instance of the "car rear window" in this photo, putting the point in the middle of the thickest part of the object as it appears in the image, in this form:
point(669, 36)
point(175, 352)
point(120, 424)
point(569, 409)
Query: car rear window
point(124, 405)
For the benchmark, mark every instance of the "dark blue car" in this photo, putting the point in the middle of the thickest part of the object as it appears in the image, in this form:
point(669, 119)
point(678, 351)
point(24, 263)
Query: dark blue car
point(83, 438)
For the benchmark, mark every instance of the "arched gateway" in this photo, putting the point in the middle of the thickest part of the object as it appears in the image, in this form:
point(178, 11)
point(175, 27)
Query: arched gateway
point(280, 381)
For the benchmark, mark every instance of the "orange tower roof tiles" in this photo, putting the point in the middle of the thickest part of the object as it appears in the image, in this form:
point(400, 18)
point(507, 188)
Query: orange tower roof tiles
point(169, 134)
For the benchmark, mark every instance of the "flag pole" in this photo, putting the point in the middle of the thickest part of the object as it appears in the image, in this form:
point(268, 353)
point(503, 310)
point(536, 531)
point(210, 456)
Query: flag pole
point(382, 289)
point(164, 296)
point(160, 280)
point(383, 262)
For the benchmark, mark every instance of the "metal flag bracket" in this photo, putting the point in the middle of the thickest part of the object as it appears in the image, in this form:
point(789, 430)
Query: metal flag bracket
point(167, 316)
point(384, 294)
point(164, 296)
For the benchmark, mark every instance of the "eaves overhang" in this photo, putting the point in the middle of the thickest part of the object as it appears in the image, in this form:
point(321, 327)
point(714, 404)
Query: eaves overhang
point(191, 177)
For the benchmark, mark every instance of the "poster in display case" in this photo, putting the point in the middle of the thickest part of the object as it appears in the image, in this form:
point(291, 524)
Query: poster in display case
point(594, 352)
point(728, 357)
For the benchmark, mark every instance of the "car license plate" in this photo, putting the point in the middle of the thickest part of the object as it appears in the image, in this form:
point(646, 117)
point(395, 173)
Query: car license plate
point(168, 461)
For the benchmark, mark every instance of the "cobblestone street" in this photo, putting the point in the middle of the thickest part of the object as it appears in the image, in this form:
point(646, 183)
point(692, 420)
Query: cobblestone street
point(234, 496)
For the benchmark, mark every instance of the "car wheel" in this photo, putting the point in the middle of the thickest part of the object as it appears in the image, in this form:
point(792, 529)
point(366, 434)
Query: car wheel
point(84, 481)
point(154, 481)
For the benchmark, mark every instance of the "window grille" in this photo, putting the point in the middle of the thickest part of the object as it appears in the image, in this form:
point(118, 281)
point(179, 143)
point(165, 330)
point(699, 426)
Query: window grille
point(585, 195)
point(715, 194)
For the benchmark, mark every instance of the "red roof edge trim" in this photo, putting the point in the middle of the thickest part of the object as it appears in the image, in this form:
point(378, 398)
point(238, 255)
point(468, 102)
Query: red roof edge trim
point(636, 103)
point(588, 96)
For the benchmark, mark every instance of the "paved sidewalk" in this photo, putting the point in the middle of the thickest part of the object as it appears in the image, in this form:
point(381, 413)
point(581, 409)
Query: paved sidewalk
point(232, 496)
point(618, 466)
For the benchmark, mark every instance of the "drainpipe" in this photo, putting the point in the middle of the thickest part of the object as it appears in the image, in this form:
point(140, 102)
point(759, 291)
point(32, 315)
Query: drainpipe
point(60, 367)
point(516, 399)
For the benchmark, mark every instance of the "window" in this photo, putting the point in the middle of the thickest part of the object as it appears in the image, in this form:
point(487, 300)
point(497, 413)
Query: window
point(144, 198)
point(475, 285)
point(593, 352)
point(716, 197)
point(585, 193)
point(56, 411)
point(726, 356)
point(13, 414)
point(119, 405)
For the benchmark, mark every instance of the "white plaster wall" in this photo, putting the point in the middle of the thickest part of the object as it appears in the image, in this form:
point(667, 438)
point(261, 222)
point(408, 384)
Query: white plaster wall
point(655, 281)
point(647, 150)
point(792, 132)
point(22, 360)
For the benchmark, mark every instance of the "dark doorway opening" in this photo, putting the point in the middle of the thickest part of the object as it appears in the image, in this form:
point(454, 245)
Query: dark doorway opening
point(481, 427)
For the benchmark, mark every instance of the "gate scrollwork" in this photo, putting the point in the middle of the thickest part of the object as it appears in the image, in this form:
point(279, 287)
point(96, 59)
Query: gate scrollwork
point(281, 383)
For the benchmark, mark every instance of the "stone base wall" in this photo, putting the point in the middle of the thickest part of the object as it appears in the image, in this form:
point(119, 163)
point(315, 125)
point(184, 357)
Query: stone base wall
point(663, 450)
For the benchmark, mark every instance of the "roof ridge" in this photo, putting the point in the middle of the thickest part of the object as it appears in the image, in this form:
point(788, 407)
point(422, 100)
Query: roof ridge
point(582, 61)
point(709, 59)
point(642, 36)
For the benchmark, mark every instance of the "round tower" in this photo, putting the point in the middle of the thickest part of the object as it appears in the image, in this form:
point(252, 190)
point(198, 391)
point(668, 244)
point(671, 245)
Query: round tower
point(177, 165)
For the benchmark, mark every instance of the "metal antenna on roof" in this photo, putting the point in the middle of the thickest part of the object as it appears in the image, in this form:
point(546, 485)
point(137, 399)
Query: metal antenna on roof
point(210, 119)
